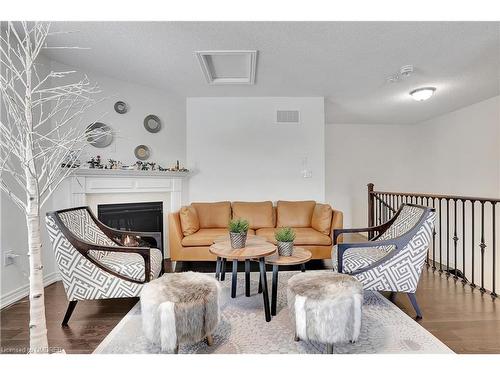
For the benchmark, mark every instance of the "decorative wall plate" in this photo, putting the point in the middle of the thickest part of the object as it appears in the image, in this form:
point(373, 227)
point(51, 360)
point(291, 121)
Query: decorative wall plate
point(121, 107)
point(99, 135)
point(152, 123)
point(142, 152)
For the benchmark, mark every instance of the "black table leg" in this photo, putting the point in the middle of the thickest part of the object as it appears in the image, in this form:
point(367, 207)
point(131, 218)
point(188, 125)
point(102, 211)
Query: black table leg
point(223, 270)
point(217, 268)
point(303, 267)
point(235, 278)
point(274, 293)
point(262, 266)
point(260, 285)
point(247, 277)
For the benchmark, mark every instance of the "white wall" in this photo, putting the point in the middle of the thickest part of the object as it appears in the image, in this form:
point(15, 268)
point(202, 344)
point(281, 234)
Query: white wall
point(463, 150)
point(167, 146)
point(240, 153)
point(385, 155)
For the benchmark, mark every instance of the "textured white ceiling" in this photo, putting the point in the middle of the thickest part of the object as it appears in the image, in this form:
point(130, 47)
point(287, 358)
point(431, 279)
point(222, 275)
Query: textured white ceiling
point(346, 62)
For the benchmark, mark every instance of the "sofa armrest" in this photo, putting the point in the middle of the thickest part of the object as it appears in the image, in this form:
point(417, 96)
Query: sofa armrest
point(337, 222)
point(175, 235)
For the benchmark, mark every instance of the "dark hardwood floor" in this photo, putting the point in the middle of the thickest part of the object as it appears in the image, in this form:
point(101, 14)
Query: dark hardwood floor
point(463, 319)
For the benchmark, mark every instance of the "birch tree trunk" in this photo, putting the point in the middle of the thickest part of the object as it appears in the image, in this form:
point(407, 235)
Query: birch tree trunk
point(37, 326)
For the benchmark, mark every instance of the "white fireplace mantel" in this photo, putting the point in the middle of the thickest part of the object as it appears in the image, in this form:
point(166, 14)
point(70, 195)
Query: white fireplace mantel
point(112, 181)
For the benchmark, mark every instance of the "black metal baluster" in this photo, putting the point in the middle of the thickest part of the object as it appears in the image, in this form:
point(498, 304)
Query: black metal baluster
point(447, 237)
point(380, 211)
point(385, 208)
point(482, 246)
point(472, 284)
point(440, 239)
point(455, 238)
point(434, 240)
point(493, 293)
point(464, 279)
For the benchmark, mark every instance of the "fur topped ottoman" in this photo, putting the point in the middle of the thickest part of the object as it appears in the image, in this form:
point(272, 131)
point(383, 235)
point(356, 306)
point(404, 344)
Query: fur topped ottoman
point(180, 308)
point(325, 307)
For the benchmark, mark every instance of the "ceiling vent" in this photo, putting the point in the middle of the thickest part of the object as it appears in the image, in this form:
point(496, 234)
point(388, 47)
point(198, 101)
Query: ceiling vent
point(228, 67)
point(287, 117)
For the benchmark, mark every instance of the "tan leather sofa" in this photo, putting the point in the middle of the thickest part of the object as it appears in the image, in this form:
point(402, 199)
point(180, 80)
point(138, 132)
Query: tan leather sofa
point(193, 229)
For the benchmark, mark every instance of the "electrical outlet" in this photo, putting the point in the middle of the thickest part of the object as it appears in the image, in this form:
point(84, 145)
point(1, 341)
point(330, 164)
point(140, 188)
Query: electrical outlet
point(9, 258)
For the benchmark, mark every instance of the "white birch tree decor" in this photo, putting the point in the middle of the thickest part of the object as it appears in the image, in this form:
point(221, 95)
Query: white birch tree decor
point(39, 129)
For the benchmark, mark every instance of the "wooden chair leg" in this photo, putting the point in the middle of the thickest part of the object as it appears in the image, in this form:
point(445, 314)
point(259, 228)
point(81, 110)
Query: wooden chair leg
point(392, 297)
point(210, 340)
point(413, 300)
point(69, 312)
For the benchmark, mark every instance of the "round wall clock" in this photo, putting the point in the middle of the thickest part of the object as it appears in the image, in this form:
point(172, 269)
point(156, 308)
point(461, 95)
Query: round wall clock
point(121, 107)
point(99, 135)
point(142, 152)
point(152, 123)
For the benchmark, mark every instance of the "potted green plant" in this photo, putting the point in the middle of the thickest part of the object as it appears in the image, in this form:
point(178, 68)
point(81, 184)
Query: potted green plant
point(285, 237)
point(238, 229)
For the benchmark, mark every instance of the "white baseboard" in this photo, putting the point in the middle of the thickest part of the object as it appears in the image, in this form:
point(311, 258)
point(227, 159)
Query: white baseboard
point(12, 297)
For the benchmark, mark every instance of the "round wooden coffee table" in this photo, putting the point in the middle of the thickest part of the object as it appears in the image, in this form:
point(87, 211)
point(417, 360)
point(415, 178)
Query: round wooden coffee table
point(299, 256)
point(253, 250)
point(252, 239)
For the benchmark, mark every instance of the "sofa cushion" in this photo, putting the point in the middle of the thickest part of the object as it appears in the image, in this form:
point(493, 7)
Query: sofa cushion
point(303, 236)
point(296, 214)
point(213, 215)
point(258, 214)
point(189, 220)
point(204, 237)
point(322, 218)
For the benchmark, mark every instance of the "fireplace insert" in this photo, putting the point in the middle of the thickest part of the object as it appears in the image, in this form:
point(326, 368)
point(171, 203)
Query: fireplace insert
point(144, 217)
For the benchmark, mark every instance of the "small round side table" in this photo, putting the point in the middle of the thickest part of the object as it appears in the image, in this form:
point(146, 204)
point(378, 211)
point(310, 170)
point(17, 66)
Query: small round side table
point(258, 250)
point(252, 239)
point(299, 256)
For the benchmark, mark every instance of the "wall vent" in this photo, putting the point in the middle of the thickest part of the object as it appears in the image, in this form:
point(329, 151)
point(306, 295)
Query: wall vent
point(287, 117)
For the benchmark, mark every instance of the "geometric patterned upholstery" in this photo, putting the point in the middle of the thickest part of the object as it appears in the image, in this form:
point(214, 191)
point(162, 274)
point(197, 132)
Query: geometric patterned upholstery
point(82, 279)
point(358, 257)
point(83, 227)
point(406, 220)
point(132, 265)
point(399, 271)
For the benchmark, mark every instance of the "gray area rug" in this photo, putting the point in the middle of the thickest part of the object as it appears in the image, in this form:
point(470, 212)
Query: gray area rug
point(243, 329)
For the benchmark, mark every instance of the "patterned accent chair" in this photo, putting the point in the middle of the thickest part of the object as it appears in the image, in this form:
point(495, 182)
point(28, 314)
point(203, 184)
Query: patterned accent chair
point(92, 261)
point(393, 260)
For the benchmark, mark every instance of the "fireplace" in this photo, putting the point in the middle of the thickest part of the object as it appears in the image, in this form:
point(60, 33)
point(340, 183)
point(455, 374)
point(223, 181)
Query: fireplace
point(144, 217)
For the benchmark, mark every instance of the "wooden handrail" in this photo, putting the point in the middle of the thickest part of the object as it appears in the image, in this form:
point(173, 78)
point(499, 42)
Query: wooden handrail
point(438, 196)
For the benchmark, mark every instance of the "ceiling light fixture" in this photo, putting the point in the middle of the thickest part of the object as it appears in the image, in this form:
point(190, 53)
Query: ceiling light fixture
point(422, 93)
